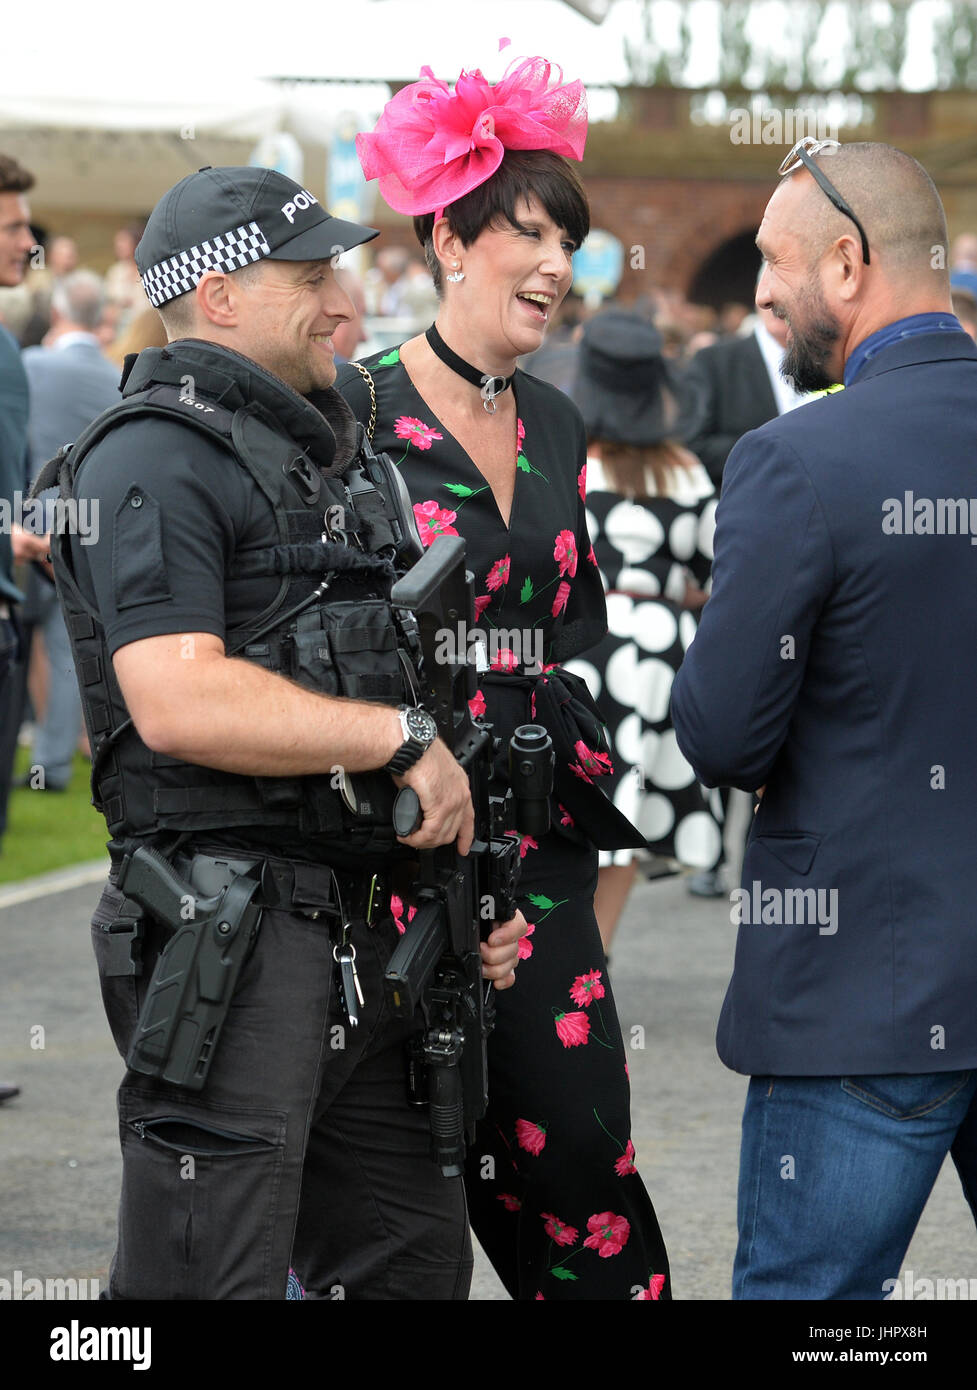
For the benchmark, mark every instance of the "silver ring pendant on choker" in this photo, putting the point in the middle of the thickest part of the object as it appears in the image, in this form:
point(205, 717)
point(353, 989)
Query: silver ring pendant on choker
point(489, 386)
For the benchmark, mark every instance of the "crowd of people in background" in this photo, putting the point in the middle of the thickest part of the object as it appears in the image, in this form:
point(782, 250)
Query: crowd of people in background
point(718, 367)
point(630, 481)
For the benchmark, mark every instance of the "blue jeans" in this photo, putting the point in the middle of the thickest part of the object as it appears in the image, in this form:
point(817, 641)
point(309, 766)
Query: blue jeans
point(834, 1174)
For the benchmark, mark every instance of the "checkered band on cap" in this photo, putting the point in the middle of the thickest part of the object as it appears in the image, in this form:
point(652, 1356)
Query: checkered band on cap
point(181, 273)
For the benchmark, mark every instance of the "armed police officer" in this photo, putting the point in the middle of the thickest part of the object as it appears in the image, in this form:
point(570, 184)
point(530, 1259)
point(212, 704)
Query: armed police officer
point(250, 721)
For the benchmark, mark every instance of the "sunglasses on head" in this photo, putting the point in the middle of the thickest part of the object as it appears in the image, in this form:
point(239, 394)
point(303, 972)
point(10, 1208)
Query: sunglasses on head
point(802, 154)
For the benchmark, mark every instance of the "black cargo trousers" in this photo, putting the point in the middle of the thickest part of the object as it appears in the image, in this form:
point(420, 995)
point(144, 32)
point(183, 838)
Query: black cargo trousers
point(300, 1151)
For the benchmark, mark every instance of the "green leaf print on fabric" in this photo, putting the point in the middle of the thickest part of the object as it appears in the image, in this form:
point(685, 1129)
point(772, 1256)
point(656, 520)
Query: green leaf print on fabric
point(545, 904)
point(526, 592)
point(523, 464)
point(462, 491)
point(390, 359)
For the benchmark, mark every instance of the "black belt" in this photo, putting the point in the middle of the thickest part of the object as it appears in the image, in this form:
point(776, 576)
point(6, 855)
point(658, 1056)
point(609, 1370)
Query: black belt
point(286, 884)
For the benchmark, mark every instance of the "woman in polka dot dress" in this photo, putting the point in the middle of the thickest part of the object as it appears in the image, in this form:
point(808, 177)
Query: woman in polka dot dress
point(651, 509)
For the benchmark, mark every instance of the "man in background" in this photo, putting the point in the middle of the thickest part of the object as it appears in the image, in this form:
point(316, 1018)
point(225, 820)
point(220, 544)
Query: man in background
point(741, 387)
point(349, 337)
point(16, 241)
point(70, 383)
point(16, 544)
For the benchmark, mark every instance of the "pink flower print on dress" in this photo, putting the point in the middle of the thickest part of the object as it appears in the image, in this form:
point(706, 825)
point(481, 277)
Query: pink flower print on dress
point(609, 1234)
point(498, 574)
point(520, 436)
point(531, 1137)
point(572, 1029)
point(509, 1202)
point(586, 988)
point(557, 1230)
point(476, 705)
point(562, 594)
point(582, 483)
point(419, 434)
point(565, 818)
point(654, 1289)
point(397, 911)
point(482, 602)
point(525, 947)
point(565, 553)
point(504, 660)
point(596, 764)
point(591, 556)
point(625, 1164)
point(526, 843)
point(433, 521)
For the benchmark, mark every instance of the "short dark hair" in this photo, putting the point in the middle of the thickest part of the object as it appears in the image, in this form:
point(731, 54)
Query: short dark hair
point(522, 174)
point(14, 178)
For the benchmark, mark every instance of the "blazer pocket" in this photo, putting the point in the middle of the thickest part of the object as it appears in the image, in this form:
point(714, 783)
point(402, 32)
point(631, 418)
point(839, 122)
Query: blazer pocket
point(794, 848)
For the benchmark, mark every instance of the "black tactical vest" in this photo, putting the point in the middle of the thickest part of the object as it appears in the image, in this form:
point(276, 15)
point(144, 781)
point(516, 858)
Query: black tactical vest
point(344, 534)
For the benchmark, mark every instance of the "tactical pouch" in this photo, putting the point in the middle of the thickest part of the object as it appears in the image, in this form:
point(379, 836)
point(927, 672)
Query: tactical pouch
point(349, 649)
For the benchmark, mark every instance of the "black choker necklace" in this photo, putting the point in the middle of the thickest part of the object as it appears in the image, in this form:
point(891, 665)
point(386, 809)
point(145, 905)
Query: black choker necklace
point(490, 386)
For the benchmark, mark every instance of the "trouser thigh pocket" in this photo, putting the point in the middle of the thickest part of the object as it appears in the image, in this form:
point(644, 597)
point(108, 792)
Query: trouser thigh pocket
point(200, 1215)
point(123, 952)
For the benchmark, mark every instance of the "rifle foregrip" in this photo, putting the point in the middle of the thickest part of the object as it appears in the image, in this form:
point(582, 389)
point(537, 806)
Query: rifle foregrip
point(447, 1108)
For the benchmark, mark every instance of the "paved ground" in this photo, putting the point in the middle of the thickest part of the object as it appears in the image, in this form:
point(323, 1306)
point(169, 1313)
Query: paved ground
point(59, 1165)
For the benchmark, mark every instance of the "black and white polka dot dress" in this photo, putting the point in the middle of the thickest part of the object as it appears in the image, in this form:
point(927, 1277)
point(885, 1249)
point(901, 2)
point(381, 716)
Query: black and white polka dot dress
point(645, 550)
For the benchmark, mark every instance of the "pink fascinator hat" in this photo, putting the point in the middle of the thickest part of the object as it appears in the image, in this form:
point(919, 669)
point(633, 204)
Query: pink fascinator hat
point(433, 145)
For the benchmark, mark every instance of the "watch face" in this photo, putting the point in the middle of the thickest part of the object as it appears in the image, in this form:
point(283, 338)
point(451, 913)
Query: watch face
point(421, 725)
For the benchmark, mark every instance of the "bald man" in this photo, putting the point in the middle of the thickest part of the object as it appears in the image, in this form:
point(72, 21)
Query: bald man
point(835, 666)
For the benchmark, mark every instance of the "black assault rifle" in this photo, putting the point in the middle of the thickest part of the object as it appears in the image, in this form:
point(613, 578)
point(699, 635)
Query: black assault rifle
point(437, 963)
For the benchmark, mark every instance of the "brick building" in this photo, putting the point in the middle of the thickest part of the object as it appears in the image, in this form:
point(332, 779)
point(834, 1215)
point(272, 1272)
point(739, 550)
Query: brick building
point(678, 177)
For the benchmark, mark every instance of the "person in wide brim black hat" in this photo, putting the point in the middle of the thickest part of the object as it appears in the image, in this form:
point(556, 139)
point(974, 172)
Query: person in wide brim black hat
point(650, 504)
point(637, 408)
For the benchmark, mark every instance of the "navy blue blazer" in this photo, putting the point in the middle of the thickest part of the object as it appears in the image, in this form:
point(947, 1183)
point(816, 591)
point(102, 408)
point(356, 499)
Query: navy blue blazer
point(836, 662)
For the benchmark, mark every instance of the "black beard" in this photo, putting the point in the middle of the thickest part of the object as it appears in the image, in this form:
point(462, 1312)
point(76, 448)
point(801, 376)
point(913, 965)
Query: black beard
point(807, 353)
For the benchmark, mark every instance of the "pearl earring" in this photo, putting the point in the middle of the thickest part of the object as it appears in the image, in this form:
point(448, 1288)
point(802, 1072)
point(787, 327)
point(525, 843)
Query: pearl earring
point(457, 275)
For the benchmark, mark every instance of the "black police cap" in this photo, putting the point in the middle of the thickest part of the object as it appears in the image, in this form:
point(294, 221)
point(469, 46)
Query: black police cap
point(224, 219)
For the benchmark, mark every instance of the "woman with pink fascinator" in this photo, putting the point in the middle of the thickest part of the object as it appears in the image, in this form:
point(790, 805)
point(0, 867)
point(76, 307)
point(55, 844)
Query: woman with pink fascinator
point(498, 457)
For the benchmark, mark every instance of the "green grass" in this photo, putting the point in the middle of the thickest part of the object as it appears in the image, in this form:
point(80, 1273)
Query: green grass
point(50, 830)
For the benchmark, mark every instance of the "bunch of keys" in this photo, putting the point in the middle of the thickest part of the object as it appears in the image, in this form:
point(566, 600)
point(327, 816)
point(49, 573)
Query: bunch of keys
point(344, 954)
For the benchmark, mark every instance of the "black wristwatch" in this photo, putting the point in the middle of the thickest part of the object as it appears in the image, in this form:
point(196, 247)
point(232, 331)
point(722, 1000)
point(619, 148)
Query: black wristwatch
point(420, 731)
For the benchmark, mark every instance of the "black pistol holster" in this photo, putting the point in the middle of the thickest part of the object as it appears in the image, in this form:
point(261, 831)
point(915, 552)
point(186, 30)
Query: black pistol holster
point(197, 970)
